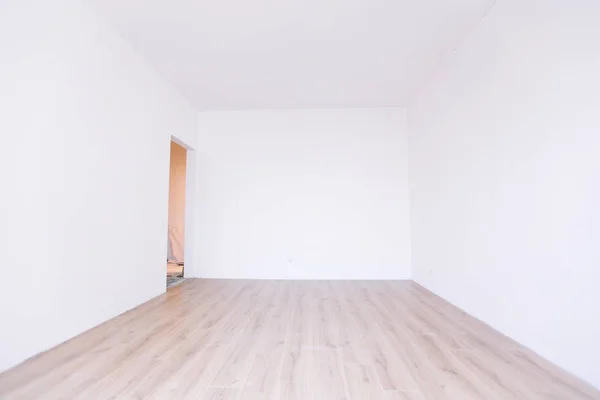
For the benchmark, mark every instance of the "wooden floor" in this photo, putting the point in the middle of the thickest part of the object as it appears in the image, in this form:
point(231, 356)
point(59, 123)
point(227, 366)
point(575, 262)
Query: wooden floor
point(213, 339)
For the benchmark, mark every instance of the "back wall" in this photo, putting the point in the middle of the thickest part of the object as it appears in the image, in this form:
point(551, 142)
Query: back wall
point(303, 194)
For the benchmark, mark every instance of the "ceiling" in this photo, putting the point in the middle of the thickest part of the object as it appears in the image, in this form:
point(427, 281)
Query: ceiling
point(260, 54)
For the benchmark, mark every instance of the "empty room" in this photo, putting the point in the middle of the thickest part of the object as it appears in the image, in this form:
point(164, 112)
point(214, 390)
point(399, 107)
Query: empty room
point(363, 199)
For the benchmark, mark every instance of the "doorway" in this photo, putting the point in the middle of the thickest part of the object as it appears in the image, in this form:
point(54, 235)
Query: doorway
point(176, 219)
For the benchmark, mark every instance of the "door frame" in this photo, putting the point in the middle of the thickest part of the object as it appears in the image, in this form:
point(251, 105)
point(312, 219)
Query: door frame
point(190, 198)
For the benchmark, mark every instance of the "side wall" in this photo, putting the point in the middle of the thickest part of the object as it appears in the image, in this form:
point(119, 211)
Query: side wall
point(304, 194)
point(505, 178)
point(85, 128)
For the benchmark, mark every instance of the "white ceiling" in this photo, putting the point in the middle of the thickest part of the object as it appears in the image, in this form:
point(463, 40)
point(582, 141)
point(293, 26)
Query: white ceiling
point(249, 54)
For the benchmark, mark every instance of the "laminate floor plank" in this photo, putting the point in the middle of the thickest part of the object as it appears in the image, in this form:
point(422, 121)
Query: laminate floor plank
point(288, 340)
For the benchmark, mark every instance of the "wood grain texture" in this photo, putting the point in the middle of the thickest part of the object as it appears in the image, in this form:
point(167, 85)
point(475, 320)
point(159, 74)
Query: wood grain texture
point(330, 340)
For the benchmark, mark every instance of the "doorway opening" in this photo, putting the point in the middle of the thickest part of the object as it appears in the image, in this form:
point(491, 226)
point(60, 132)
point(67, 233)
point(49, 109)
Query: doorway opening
point(176, 221)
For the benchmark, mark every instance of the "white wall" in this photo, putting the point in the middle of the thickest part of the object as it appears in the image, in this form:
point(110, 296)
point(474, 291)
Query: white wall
point(305, 194)
point(85, 128)
point(505, 178)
